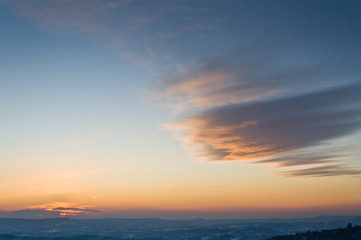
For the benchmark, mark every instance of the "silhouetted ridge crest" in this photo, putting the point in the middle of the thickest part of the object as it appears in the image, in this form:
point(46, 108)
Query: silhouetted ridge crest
point(348, 233)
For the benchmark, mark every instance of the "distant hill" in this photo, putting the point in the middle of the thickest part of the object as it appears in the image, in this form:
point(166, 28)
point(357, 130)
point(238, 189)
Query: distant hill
point(349, 233)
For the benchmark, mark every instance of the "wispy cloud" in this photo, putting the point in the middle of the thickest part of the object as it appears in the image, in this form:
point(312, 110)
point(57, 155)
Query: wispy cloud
point(266, 50)
point(323, 171)
point(207, 88)
point(138, 30)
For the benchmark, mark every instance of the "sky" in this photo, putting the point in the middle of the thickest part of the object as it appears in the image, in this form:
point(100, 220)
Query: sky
point(180, 109)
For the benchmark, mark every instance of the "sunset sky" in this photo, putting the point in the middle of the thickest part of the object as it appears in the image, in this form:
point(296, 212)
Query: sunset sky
point(180, 109)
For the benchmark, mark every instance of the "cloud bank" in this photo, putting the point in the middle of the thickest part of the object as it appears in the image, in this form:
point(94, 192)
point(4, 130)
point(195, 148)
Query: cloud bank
point(270, 128)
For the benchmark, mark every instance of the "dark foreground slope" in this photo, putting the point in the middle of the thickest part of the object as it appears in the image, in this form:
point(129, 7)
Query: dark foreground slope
point(85, 237)
point(349, 233)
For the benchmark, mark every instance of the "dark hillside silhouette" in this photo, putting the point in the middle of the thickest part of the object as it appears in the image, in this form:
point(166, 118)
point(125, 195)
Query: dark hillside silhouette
point(348, 233)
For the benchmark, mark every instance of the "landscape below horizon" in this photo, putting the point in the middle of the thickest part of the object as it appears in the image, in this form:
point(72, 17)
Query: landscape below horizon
point(197, 229)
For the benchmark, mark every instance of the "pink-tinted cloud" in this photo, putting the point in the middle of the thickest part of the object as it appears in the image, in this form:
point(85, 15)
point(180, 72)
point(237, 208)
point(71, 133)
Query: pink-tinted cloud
point(207, 88)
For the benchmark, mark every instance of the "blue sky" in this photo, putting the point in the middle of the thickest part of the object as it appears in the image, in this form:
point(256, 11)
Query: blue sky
point(104, 103)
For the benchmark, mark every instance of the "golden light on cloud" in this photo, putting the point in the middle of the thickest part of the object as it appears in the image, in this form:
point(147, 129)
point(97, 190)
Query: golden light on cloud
point(64, 208)
point(290, 133)
point(202, 139)
point(208, 88)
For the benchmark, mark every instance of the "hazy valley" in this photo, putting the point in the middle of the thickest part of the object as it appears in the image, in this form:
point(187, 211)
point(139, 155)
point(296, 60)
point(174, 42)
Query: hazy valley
point(154, 228)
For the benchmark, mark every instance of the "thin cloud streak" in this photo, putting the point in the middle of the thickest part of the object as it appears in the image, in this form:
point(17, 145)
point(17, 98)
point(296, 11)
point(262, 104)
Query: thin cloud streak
point(323, 171)
point(75, 210)
point(300, 160)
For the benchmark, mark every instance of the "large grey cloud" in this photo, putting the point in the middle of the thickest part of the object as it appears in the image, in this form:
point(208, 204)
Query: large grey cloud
point(270, 129)
point(282, 87)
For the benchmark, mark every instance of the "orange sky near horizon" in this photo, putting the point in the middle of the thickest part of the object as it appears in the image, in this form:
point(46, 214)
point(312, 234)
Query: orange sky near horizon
point(179, 109)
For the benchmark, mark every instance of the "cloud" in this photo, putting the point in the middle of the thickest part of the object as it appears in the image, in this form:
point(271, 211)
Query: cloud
point(243, 33)
point(80, 15)
point(50, 212)
point(265, 131)
point(207, 88)
point(221, 80)
point(140, 31)
point(307, 159)
point(29, 213)
point(323, 171)
point(60, 209)
point(263, 51)
point(277, 88)
point(76, 210)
